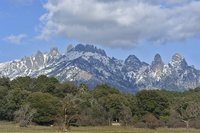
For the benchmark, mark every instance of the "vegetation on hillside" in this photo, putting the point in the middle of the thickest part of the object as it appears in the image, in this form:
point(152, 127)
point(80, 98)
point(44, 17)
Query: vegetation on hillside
point(46, 101)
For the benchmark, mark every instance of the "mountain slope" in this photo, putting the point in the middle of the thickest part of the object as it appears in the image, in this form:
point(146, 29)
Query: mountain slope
point(90, 65)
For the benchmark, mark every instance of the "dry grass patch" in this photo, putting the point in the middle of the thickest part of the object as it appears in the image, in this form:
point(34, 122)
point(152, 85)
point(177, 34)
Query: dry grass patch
point(6, 127)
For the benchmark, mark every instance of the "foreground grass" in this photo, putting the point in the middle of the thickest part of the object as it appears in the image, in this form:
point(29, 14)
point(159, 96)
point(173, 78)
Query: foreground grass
point(12, 128)
point(6, 127)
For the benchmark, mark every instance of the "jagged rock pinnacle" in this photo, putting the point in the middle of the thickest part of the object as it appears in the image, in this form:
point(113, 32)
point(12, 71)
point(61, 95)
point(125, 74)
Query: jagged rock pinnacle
point(88, 48)
point(132, 59)
point(132, 63)
point(90, 65)
point(157, 64)
point(176, 57)
point(178, 61)
point(54, 52)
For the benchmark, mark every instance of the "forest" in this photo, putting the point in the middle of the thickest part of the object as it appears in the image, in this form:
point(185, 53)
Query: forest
point(46, 101)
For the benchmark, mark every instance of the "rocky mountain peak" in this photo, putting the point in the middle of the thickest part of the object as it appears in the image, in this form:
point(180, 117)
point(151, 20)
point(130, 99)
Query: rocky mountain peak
point(178, 61)
point(39, 52)
point(54, 52)
point(86, 48)
point(157, 63)
point(157, 58)
point(39, 55)
point(132, 63)
point(132, 60)
point(90, 65)
point(177, 57)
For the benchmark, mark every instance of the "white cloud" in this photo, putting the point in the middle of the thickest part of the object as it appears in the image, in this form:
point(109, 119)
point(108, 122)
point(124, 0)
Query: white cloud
point(15, 39)
point(122, 23)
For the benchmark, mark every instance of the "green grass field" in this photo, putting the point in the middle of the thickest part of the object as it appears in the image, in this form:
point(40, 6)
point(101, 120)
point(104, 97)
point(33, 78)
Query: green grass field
point(12, 128)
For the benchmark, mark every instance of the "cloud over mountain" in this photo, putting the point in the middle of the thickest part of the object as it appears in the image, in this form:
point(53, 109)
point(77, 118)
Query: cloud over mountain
point(122, 23)
point(15, 39)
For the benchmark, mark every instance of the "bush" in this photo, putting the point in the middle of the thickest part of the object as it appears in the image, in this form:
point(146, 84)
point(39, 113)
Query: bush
point(195, 124)
point(140, 125)
point(151, 121)
point(86, 121)
point(175, 123)
point(161, 123)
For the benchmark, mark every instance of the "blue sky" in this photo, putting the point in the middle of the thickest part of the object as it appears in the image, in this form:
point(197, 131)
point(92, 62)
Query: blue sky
point(147, 28)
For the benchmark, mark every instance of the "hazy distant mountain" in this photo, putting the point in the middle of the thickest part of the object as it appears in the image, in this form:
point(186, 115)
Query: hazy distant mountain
point(90, 65)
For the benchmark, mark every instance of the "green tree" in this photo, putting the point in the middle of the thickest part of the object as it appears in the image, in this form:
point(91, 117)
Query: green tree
point(47, 106)
point(115, 103)
point(13, 101)
point(150, 101)
point(82, 89)
point(5, 82)
point(103, 90)
point(26, 83)
point(3, 94)
point(66, 88)
point(45, 84)
point(126, 116)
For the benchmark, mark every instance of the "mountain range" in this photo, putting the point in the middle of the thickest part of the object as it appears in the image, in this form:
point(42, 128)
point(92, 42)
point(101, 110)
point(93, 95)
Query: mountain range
point(91, 65)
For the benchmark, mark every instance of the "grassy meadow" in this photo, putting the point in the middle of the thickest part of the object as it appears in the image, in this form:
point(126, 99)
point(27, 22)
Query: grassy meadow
point(13, 128)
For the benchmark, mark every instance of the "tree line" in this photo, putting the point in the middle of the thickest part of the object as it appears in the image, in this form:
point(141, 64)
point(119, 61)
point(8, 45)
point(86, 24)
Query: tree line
point(46, 101)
